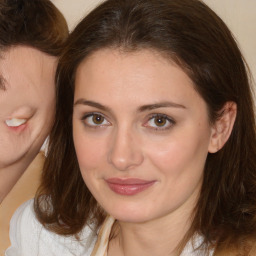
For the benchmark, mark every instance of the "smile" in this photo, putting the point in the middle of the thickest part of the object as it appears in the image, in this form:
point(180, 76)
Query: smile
point(128, 187)
point(15, 122)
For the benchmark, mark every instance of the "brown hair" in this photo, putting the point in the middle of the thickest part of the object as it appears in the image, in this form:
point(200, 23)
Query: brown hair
point(35, 23)
point(193, 36)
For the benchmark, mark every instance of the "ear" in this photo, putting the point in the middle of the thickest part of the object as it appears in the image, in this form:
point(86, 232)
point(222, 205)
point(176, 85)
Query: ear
point(223, 126)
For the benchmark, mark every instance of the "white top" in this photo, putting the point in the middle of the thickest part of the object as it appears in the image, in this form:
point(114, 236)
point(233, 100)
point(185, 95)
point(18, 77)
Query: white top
point(29, 238)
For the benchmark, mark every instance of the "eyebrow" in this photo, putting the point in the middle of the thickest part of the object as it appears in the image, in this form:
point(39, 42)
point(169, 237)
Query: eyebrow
point(140, 109)
point(92, 104)
point(166, 104)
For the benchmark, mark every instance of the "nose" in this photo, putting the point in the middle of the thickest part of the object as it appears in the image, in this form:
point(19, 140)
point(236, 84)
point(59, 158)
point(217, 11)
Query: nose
point(125, 151)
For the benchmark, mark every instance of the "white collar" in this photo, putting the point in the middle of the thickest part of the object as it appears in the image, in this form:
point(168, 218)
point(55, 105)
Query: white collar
point(101, 245)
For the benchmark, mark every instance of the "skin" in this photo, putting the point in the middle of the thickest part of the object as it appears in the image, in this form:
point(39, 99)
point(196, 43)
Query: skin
point(28, 77)
point(125, 91)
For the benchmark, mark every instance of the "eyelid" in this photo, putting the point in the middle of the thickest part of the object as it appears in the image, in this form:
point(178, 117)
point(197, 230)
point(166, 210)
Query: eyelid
point(159, 128)
point(91, 114)
point(88, 114)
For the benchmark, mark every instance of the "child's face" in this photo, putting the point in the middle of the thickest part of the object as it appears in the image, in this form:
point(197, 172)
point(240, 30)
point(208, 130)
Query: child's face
point(27, 102)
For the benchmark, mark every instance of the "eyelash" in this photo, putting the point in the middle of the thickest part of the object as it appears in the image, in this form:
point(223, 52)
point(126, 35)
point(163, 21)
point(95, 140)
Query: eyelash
point(169, 121)
point(95, 114)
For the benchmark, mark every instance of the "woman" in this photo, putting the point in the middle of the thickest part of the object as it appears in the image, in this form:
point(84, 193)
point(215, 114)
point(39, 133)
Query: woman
point(32, 34)
point(153, 147)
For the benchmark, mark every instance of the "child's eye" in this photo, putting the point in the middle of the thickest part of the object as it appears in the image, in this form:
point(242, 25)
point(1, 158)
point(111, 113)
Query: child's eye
point(159, 122)
point(95, 119)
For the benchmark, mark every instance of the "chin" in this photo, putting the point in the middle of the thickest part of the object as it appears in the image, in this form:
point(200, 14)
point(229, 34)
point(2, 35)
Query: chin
point(23, 157)
point(131, 218)
point(10, 160)
point(132, 214)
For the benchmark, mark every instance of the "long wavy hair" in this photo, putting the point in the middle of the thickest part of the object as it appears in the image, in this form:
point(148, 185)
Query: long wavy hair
point(192, 35)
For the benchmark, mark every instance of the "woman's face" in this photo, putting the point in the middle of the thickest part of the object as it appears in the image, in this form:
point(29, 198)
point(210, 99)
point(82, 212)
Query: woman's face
point(141, 134)
point(27, 101)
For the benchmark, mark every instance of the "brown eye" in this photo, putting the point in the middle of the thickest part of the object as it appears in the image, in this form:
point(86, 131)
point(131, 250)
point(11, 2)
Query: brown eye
point(97, 119)
point(160, 121)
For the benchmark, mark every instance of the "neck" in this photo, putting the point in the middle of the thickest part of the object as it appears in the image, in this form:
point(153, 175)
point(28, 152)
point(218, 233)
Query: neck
point(138, 239)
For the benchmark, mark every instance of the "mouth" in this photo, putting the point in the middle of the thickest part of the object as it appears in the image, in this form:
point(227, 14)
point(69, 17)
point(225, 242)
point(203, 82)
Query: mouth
point(16, 124)
point(129, 187)
point(18, 120)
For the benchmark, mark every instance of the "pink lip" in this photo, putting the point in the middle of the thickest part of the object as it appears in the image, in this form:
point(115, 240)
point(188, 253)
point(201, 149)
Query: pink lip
point(128, 186)
point(18, 128)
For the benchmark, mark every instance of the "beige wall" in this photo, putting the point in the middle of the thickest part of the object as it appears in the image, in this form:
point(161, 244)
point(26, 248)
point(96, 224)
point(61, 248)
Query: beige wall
point(240, 16)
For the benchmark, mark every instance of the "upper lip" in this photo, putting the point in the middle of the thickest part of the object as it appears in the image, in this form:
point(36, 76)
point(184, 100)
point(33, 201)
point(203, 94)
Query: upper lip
point(128, 181)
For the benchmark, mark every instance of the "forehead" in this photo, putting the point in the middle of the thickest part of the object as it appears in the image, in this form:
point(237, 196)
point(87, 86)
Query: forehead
point(136, 65)
point(142, 77)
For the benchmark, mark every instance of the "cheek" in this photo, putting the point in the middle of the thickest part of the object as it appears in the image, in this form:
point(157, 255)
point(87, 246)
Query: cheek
point(14, 146)
point(185, 152)
point(45, 106)
point(50, 104)
point(90, 151)
point(46, 114)
point(91, 157)
point(168, 157)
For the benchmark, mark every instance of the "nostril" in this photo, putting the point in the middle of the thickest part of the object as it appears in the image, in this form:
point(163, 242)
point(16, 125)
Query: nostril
point(125, 151)
point(125, 159)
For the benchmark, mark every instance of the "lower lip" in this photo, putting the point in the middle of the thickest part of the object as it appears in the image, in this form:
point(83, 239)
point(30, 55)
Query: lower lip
point(18, 128)
point(129, 189)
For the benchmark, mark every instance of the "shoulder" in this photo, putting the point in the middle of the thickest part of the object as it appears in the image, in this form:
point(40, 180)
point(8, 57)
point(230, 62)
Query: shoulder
point(195, 247)
point(29, 237)
point(21, 229)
